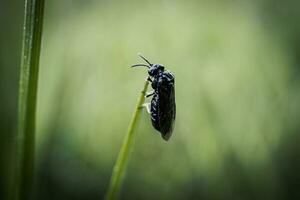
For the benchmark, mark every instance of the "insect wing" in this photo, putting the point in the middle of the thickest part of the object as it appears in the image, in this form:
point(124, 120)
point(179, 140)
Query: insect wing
point(167, 105)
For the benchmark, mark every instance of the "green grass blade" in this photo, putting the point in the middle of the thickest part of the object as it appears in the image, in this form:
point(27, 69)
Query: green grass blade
point(32, 33)
point(127, 146)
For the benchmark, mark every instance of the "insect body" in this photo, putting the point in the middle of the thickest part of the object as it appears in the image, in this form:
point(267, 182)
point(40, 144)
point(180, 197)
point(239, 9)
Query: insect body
point(162, 107)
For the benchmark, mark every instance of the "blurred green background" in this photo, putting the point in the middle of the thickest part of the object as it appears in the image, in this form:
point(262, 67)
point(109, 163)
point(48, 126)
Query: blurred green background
point(236, 65)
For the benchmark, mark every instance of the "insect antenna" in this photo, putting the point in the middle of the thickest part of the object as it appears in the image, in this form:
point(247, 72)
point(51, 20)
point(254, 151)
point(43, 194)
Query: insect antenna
point(143, 65)
point(140, 55)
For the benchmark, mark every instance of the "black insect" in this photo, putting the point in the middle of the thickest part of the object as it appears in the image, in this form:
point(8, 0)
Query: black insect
point(162, 107)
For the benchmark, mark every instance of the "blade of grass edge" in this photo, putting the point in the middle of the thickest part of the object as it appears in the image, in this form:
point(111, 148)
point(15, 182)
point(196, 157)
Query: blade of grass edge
point(31, 46)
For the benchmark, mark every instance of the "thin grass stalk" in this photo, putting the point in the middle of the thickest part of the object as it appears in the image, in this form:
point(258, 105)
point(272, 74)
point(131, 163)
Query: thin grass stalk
point(32, 34)
point(127, 146)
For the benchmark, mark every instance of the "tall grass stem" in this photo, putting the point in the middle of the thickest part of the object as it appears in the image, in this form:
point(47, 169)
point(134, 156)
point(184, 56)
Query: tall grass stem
point(31, 46)
point(127, 146)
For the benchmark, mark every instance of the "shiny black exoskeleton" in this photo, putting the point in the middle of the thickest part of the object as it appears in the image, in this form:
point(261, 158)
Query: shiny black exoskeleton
point(163, 106)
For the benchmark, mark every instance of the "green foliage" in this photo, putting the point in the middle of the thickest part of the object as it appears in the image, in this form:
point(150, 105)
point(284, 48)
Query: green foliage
point(233, 92)
point(28, 96)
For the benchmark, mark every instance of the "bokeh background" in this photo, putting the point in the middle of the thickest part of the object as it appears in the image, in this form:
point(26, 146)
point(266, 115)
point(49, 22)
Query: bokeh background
point(237, 90)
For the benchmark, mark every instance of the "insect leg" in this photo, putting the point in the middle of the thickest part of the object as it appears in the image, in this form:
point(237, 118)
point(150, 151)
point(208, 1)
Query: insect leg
point(149, 94)
point(149, 79)
point(147, 106)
